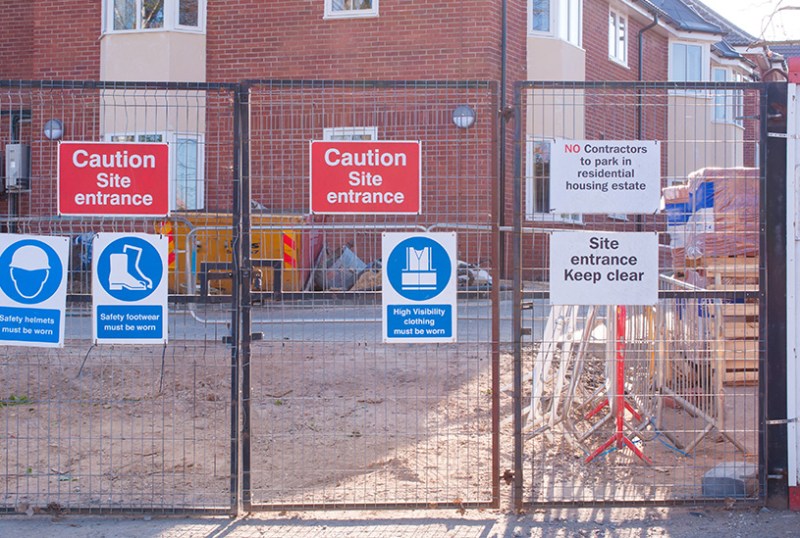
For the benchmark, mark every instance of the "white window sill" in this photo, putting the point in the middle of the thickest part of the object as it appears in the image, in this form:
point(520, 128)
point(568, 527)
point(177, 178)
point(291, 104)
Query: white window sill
point(182, 30)
point(737, 124)
point(547, 35)
point(619, 62)
point(355, 14)
point(552, 217)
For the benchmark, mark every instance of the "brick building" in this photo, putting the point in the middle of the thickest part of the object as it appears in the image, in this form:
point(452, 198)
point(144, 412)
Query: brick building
point(361, 40)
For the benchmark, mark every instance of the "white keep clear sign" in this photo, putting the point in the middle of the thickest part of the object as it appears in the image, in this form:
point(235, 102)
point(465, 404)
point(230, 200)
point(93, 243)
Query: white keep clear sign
point(598, 268)
point(605, 176)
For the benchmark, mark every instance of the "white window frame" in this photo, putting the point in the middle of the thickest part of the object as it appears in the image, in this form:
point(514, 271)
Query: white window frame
point(172, 139)
point(531, 212)
point(348, 133)
point(331, 13)
point(171, 18)
point(565, 21)
point(728, 104)
point(704, 61)
point(618, 37)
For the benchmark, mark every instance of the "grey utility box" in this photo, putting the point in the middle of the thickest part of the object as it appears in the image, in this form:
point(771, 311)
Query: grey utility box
point(18, 167)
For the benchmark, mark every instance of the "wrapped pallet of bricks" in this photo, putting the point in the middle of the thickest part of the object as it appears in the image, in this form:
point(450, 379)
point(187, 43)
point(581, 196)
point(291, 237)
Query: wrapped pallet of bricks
point(725, 217)
point(677, 210)
point(722, 238)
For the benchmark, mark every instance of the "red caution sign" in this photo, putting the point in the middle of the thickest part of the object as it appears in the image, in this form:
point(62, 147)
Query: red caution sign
point(366, 177)
point(127, 179)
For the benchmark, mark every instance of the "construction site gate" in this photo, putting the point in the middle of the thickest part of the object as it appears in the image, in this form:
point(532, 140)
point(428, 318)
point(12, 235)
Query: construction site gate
point(639, 303)
point(275, 382)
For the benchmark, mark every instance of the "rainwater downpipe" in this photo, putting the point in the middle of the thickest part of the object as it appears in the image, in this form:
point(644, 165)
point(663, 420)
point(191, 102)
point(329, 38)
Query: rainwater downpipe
point(639, 98)
point(640, 76)
point(501, 172)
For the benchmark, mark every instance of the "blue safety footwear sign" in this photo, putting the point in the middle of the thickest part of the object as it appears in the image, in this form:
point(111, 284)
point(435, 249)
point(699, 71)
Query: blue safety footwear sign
point(129, 288)
point(419, 287)
point(33, 289)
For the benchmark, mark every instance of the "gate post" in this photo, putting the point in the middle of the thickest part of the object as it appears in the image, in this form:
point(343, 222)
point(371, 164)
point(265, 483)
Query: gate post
point(240, 299)
point(773, 394)
point(516, 302)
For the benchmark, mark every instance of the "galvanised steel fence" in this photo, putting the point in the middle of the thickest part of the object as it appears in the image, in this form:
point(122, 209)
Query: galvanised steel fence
point(110, 427)
point(634, 399)
point(276, 389)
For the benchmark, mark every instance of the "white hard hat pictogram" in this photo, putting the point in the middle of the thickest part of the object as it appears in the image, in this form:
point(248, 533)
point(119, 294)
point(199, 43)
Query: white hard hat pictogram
point(30, 258)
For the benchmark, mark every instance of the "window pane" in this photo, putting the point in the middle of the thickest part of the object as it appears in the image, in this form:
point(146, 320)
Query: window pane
point(622, 38)
point(679, 62)
point(188, 13)
point(612, 32)
point(152, 13)
point(541, 177)
point(574, 22)
point(720, 111)
point(351, 5)
point(124, 14)
point(540, 15)
point(188, 188)
point(694, 71)
point(150, 138)
point(123, 138)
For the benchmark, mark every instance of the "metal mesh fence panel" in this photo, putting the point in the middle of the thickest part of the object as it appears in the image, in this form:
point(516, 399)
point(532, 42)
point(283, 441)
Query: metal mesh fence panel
point(113, 427)
point(337, 417)
point(653, 401)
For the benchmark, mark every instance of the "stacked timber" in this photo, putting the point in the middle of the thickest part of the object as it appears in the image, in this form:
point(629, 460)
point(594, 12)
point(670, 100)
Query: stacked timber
point(713, 229)
point(737, 320)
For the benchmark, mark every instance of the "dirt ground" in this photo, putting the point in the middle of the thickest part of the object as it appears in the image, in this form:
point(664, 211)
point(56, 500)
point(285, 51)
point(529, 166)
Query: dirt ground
point(335, 419)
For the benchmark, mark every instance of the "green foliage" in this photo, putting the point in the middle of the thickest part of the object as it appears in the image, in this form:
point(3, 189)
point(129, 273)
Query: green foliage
point(15, 400)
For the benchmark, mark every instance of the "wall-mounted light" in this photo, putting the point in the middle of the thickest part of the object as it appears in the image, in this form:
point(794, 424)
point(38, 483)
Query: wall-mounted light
point(464, 116)
point(53, 129)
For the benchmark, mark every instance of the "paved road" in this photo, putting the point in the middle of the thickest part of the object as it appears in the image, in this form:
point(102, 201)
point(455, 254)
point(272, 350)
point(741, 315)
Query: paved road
point(315, 321)
point(679, 522)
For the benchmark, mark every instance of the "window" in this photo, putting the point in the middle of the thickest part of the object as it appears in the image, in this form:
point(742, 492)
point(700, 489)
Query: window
point(141, 15)
point(350, 133)
point(537, 183)
point(557, 18)
point(728, 104)
point(617, 37)
point(540, 15)
point(686, 62)
point(187, 191)
point(346, 9)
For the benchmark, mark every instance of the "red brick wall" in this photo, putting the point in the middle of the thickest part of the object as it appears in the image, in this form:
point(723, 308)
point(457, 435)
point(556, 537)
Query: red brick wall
point(16, 39)
point(595, 42)
point(65, 40)
point(449, 39)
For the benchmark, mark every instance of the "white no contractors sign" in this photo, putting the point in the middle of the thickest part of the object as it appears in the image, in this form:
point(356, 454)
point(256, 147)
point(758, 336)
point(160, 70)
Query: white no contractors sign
point(605, 176)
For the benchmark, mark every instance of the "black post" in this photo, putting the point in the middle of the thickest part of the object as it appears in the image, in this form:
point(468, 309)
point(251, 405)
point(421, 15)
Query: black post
point(235, 332)
point(516, 303)
point(773, 456)
point(245, 300)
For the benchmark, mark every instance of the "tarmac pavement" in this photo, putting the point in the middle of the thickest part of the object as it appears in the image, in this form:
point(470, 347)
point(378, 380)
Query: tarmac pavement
point(675, 522)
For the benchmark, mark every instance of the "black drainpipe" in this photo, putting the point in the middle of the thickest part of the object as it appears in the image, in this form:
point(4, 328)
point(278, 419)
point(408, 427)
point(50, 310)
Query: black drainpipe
point(640, 75)
point(501, 172)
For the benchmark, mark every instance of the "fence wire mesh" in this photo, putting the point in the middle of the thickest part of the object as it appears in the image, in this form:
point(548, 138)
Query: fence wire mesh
point(659, 403)
point(337, 416)
point(109, 427)
point(331, 416)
